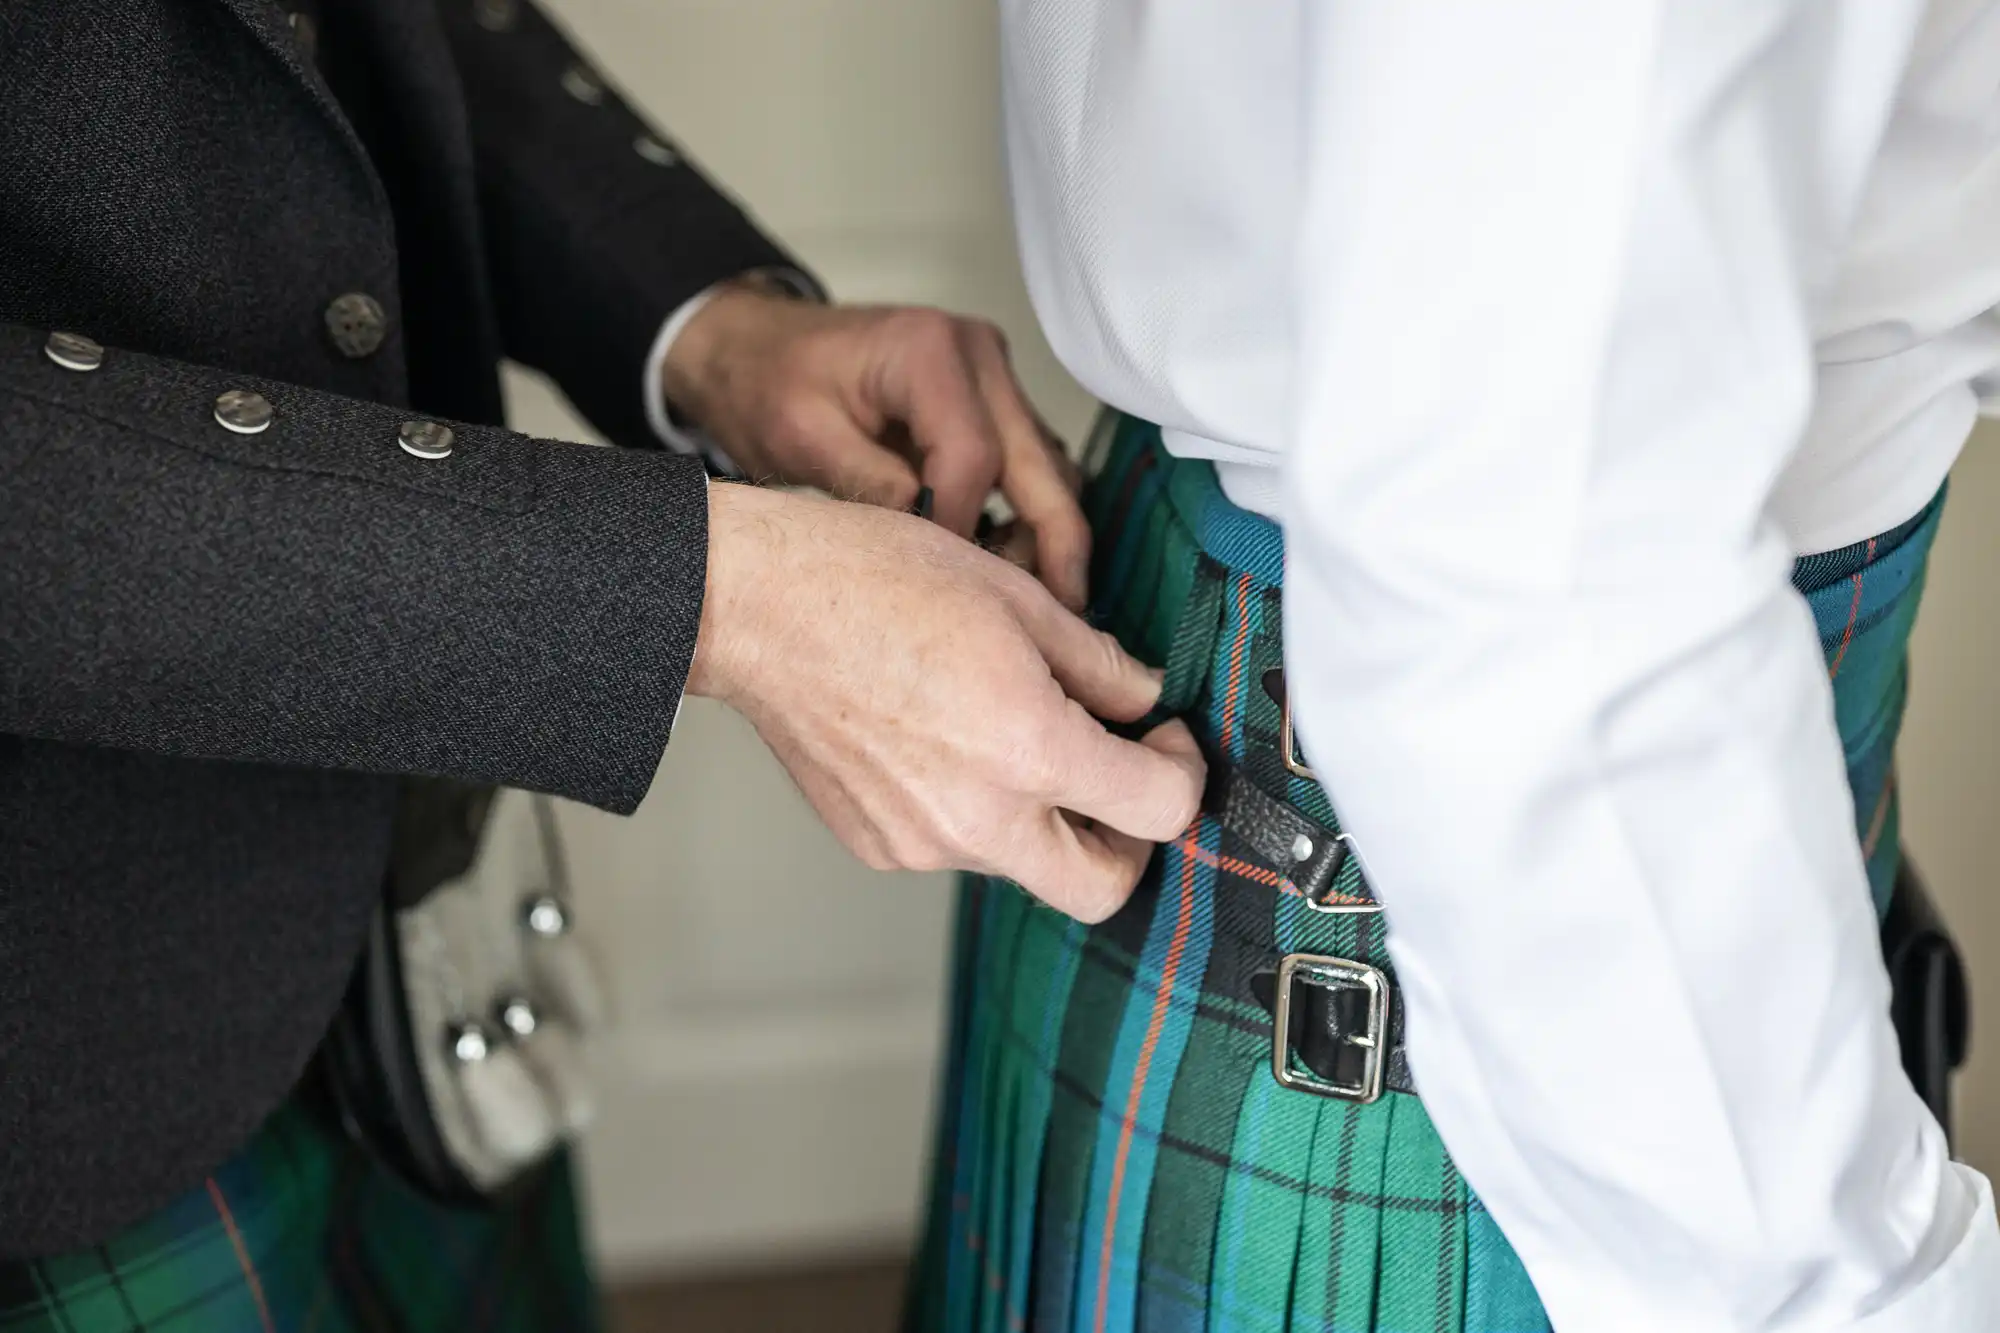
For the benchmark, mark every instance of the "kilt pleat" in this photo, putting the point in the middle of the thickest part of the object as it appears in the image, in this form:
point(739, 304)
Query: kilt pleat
point(1113, 1152)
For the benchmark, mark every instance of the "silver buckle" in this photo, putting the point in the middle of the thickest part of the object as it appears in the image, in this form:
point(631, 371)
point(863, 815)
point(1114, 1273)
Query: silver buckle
point(1288, 741)
point(1332, 974)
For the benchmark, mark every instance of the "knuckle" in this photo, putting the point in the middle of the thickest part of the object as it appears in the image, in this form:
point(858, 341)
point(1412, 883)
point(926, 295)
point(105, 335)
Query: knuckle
point(793, 418)
point(984, 333)
point(911, 850)
point(959, 835)
point(876, 856)
point(1181, 810)
point(1099, 893)
point(1040, 765)
point(931, 330)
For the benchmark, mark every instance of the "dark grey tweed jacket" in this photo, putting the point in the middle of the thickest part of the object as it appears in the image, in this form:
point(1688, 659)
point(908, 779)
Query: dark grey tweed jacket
point(217, 650)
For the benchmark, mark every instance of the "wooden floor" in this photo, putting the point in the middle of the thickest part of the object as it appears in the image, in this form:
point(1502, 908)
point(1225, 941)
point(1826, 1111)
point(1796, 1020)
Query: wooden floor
point(862, 1297)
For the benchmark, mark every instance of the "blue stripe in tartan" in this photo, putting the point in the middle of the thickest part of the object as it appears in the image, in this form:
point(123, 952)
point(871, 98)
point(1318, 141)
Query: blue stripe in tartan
point(1151, 1039)
point(1238, 538)
point(1243, 542)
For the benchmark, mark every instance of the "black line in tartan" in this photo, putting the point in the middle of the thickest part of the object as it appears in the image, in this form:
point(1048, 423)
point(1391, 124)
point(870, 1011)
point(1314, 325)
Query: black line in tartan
point(1122, 965)
point(195, 1301)
point(117, 1281)
point(1447, 1252)
point(17, 1286)
point(1344, 1166)
point(1398, 1203)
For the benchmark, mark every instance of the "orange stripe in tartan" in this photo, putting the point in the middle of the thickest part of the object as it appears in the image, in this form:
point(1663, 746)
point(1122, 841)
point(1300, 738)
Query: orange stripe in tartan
point(1187, 846)
point(1183, 925)
point(242, 1255)
point(1853, 615)
point(1879, 817)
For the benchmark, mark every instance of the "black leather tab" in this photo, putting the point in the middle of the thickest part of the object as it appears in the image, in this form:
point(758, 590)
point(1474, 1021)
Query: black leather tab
point(1275, 832)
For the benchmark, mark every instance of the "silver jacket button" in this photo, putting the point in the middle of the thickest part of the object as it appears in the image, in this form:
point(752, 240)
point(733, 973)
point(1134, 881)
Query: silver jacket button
point(244, 412)
point(546, 917)
point(425, 439)
point(579, 82)
point(659, 154)
point(517, 1016)
point(495, 15)
point(357, 324)
point(73, 351)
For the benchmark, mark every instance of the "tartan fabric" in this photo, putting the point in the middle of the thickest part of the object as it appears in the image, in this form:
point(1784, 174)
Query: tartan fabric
point(303, 1232)
point(1113, 1152)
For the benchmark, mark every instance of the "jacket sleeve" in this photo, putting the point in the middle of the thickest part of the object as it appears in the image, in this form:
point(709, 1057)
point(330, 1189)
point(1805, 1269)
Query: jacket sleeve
point(316, 595)
point(597, 228)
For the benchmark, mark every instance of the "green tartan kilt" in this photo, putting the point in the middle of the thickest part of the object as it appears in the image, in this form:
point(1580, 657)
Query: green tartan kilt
point(1113, 1152)
point(304, 1232)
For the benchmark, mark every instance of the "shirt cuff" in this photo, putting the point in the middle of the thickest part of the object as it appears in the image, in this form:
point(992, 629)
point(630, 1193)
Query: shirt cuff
point(674, 434)
point(1963, 1293)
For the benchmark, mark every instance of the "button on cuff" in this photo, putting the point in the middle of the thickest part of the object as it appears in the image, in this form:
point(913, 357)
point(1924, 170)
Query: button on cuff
point(244, 412)
point(73, 351)
point(426, 439)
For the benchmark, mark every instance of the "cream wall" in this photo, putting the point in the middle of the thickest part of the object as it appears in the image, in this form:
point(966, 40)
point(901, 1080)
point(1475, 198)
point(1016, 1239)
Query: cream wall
point(1950, 764)
point(771, 1093)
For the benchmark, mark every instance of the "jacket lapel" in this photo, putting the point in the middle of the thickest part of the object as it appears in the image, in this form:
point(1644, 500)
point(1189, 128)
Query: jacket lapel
point(270, 23)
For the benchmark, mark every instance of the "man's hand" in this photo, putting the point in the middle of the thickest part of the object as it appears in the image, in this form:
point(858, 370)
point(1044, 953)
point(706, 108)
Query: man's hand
point(935, 703)
point(869, 403)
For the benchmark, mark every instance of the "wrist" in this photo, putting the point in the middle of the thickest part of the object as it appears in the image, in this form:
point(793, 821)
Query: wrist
point(725, 643)
point(697, 368)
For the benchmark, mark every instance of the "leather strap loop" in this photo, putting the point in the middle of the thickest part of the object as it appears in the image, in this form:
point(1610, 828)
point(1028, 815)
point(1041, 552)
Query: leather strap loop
point(1301, 849)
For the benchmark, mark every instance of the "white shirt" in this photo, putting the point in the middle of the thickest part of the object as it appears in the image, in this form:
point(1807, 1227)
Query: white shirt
point(1552, 330)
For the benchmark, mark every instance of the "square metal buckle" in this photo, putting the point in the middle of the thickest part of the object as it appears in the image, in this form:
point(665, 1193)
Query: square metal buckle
point(1332, 974)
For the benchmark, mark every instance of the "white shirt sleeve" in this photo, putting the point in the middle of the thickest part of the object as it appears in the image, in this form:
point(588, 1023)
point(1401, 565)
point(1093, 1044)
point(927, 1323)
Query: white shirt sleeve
point(1555, 272)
